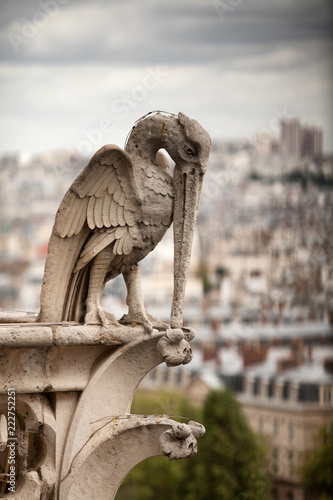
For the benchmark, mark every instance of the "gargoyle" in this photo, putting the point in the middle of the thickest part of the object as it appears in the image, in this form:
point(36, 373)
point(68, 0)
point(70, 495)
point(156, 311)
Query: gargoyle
point(116, 212)
point(180, 441)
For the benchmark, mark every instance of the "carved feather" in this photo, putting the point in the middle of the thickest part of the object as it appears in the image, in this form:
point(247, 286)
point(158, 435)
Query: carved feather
point(98, 212)
point(120, 232)
point(96, 243)
point(117, 247)
point(113, 213)
point(122, 199)
point(134, 232)
point(129, 217)
point(91, 212)
point(120, 215)
point(78, 218)
point(102, 186)
point(112, 179)
point(65, 217)
point(128, 244)
point(113, 185)
point(117, 193)
point(94, 183)
point(118, 164)
point(160, 186)
point(106, 210)
point(106, 158)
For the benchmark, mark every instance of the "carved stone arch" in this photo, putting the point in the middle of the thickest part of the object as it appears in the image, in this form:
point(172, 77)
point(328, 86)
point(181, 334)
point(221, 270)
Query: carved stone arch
point(110, 390)
point(109, 456)
point(112, 451)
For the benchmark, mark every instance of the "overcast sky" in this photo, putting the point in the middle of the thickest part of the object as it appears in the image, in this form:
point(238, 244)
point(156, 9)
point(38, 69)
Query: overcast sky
point(79, 73)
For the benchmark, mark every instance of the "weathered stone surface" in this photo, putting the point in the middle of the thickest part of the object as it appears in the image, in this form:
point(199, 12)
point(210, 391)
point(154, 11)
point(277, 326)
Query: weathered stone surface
point(69, 334)
point(116, 212)
point(66, 396)
point(117, 447)
point(74, 370)
point(180, 441)
point(174, 346)
point(34, 446)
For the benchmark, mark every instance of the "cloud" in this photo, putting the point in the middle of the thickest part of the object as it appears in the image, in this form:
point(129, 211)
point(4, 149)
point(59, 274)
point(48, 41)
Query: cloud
point(230, 72)
point(149, 32)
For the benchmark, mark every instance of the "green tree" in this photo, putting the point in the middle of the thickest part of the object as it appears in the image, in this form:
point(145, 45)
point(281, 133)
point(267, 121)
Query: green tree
point(230, 464)
point(316, 471)
point(156, 477)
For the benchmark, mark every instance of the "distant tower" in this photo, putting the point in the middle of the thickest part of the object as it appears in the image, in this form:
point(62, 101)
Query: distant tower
point(312, 142)
point(291, 138)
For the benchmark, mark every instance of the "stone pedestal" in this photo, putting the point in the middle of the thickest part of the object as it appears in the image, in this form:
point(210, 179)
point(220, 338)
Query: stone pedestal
point(66, 390)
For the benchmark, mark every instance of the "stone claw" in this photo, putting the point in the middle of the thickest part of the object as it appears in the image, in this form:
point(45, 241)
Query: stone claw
point(129, 319)
point(95, 316)
point(148, 321)
point(159, 325)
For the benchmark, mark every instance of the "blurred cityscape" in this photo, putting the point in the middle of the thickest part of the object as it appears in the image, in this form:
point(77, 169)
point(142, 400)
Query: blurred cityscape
point(260, 291)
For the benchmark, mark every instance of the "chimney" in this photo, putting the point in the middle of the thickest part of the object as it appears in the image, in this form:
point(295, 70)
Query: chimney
point(254, 355)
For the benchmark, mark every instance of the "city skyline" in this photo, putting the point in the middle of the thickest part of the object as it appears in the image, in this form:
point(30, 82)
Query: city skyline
point(76, 68)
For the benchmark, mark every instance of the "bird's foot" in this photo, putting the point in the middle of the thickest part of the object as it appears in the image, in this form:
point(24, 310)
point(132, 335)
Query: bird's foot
point(159, 325)
point(144, 318)
point(97, 316)
point(140, 318)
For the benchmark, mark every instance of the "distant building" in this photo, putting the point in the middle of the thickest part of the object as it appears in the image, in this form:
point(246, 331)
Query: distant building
point(283, 379)
point(291, 138)
point(265, 144)
point(312, 142)
point(288, 408)
point(298, 141)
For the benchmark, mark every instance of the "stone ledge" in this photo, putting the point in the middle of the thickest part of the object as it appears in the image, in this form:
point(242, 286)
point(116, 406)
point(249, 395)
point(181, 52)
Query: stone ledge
point(38, 358)
point(18, 335)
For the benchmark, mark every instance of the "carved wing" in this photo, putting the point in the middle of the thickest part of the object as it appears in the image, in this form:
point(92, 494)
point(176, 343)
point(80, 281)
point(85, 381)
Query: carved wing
point(101, 207)
point(106, 197)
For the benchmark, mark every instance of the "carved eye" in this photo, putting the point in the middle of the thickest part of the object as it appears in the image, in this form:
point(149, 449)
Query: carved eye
point(189, 151)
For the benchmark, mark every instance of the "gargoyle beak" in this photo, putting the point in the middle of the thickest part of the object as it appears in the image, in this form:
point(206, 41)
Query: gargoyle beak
point(187, 183)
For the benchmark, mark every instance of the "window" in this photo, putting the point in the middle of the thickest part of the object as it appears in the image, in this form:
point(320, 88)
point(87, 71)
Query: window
point(256, 386)
point(285, 390)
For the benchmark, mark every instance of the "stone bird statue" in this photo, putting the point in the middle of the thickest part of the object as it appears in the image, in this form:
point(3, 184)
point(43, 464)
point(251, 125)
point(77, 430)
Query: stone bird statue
point(116, 211)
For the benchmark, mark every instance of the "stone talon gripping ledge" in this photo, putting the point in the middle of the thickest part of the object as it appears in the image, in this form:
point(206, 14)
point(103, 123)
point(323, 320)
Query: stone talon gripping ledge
point(116, 212)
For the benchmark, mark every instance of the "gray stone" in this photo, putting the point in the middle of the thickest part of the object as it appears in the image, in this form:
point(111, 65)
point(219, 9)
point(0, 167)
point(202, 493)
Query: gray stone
point(116, 212)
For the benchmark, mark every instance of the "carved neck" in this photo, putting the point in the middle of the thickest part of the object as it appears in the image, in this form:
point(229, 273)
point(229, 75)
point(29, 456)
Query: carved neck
point(150, 135)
